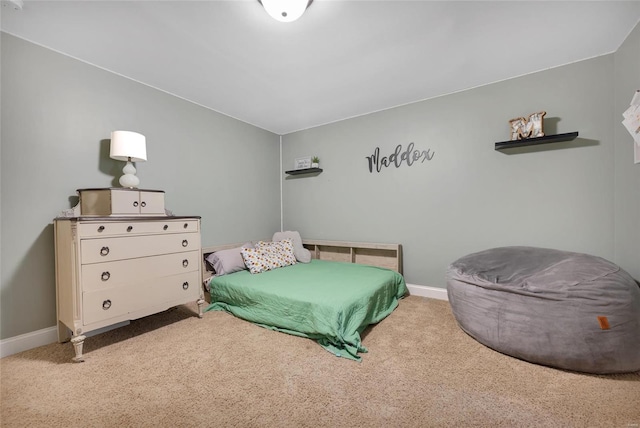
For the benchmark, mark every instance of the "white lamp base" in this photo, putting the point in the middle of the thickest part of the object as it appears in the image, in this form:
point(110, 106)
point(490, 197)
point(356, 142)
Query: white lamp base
point(129, 178)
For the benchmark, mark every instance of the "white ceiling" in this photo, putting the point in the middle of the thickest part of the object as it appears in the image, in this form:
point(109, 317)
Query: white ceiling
point(341, 59)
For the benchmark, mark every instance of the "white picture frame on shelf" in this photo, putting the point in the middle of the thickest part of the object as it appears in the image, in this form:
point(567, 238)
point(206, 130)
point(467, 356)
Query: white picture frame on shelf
point(302, 163)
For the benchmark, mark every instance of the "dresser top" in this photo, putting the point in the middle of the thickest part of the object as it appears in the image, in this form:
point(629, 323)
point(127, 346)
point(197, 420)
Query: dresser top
point(128, 218)
point(126, 189)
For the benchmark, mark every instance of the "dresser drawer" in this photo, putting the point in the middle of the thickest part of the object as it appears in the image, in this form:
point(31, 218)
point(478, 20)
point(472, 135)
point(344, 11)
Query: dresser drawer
point(108, 303)
point(120, 248)
point(183, 288)
point(120, 228)
point(96, 276)
point(100, 305)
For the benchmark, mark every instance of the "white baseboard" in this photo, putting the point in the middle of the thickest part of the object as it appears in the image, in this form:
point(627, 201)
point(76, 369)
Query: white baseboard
point(27, 341)
point(426, 291)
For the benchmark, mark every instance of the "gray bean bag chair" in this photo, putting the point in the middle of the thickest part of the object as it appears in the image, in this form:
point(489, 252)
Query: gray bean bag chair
point(567, 310)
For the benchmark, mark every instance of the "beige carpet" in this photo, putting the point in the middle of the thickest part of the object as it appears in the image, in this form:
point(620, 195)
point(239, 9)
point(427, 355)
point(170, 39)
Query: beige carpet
point(174, 369)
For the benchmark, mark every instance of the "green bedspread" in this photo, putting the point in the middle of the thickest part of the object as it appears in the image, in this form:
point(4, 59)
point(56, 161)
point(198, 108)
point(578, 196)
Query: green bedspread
point(331, 302)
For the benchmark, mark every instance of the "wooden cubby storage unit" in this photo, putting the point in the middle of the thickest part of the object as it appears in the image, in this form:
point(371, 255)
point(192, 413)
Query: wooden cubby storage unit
point(381, 255)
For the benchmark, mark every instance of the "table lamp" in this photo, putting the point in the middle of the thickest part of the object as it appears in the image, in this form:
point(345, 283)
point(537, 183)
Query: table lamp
point(130, 147)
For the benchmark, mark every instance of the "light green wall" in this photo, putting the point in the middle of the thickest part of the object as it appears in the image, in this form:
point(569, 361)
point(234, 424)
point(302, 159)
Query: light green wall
point(57, 116)
point(627, 174)
point(469, 197)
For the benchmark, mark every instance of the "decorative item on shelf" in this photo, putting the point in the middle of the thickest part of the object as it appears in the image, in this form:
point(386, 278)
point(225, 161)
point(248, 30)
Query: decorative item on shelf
point(315, 162)
point(631, 122)
point(129, 147)
point(522, 128)
point(302, 163)
point(285, 10)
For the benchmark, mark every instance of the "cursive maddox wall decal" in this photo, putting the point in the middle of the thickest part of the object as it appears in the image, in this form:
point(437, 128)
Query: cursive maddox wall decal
point(398, 157)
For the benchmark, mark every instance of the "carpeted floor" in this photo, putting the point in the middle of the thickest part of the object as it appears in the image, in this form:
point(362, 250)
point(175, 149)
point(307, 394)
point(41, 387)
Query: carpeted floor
point(176, 370)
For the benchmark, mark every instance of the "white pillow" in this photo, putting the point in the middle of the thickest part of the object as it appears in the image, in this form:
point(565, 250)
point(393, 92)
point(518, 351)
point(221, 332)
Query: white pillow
point(302, 254)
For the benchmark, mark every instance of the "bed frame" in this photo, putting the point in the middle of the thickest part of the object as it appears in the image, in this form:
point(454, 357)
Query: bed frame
point(382, 255)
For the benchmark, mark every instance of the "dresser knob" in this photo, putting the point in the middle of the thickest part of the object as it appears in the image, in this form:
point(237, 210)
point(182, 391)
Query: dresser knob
point(129, 229)
point(135, 203)
point(101, 229)
point(143, 204)
point(165, 227)
point(105, 276)
point(106, 304)
point(185, 285)
point(186, 225)
point(185, 242)
point(104, 251)
point(185, 263)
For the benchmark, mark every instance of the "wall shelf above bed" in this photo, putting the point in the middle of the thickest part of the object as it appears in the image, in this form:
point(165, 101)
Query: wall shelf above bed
point(304, 171)
point(535, 141)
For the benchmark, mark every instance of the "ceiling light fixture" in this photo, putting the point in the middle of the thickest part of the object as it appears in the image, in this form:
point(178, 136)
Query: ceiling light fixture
point(285, 10)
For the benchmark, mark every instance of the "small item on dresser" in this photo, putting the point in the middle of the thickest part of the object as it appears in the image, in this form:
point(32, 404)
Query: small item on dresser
point(121, 202)
point(129, 147)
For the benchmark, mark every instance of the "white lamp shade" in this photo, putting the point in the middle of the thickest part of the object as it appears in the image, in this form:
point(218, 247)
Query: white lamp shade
point(285, 10)
point(127, 144)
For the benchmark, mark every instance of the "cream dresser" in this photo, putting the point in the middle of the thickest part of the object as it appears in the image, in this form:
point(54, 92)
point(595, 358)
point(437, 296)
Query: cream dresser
point(115, 262)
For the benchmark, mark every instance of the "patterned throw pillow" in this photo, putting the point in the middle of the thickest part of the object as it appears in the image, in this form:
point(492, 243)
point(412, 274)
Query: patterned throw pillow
point(268, 255)
point(280, 253)
point(302, 254)
point(255, 260)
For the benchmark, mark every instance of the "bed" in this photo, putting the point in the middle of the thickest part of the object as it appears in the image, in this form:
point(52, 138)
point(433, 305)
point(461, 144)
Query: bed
point(344, 288)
